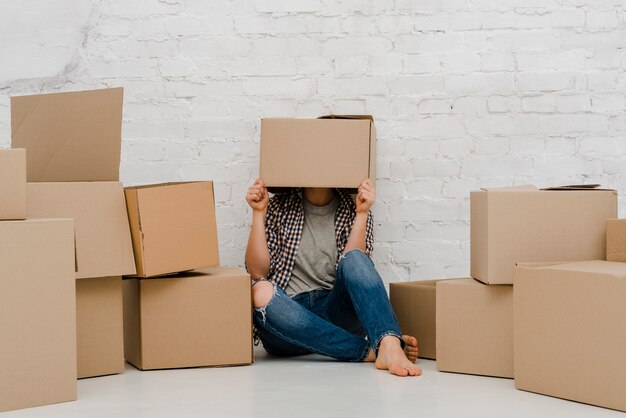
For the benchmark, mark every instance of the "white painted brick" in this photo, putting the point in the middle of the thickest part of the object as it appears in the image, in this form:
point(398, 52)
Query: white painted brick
point(527, 147)
point(504, 104)
point(492, 146)
point(422, 63)
point(546, 81)
point(545, 103)
point(602, 20)
point(613, 104)
point(455, 148)
point(497, 61)
point(498, 83)
point(552, 60)
point(435, 42)
point(351, 64)
point(286, 6)
point(432, 127)
point(417, 84)
point(385, 64)
point(573, 103)
point(567, 18)
point(430, 188)
point(497, 167)
point(470, 105)
point(176, 68)
point(462, 62)
point(435, 168)
point(465, 21)
point(434, 106)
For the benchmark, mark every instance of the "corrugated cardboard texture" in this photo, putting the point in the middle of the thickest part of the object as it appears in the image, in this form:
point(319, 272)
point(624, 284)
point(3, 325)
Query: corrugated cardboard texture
point(415, 306)
point(70, 136)
point(103, 243)
point(12, 184)
point(570, 336)
point(173, 227)
point(513, 226)
point(100, 326)
point(317, 152)
point(37, 313)
point(190, 320)
point(474, 328)
point(616, 240)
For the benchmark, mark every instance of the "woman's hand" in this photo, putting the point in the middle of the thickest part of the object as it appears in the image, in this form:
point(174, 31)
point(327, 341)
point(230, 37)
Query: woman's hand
point(258, 196)
point(365, 196)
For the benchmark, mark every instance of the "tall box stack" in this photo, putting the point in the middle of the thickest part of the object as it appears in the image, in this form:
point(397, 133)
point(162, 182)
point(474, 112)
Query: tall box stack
point(37, 305)
point(73, 143)
point(508, 226)
point(190, 319)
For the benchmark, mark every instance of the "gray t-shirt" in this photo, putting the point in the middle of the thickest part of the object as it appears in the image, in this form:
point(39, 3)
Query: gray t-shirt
point(314, 267)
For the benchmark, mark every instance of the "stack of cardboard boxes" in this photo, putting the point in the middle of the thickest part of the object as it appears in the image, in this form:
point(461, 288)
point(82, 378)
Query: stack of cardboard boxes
point(61, 289)
point(528, 236)
point(192, 319)
point(37, 299)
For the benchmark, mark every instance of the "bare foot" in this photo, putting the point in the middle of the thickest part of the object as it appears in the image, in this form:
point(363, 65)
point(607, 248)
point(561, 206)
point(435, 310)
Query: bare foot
point(410, 349)
point(391, 357)
point(371, 357)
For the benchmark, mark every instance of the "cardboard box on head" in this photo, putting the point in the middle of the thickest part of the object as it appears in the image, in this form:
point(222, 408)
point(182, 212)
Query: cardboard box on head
point(37, 313)
point(570, 331)
point(75, 136)
point(173, 227)
point(12, 184)
point(333, 151)
point(524, 224)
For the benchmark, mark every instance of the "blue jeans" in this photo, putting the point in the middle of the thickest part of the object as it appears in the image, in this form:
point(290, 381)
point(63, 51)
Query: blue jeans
point(343, 323)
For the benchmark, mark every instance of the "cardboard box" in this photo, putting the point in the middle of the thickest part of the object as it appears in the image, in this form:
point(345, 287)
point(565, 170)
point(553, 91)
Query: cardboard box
point(173, 227)
point(616, 240)
point(415, 306)
point(474, 328)
point(524, 224)
point(570, 331)
point(70, 136)
point(100, 326)
point(37, 313)
point(195, 319)
point(12, 184)
point(317, 152)
point(103, 243)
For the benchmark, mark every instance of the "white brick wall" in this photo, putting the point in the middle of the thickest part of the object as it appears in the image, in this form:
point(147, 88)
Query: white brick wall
point(465, 94)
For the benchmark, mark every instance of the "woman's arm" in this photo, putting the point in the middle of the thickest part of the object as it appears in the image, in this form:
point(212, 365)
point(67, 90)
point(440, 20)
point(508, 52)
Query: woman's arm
point(364, 200)
point(257, 253)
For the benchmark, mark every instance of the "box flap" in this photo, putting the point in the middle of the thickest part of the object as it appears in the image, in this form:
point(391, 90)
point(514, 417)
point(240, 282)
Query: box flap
point(69, 136)
point(521, 188)
point(575, 187)
point(103, 243)
point(370, 117)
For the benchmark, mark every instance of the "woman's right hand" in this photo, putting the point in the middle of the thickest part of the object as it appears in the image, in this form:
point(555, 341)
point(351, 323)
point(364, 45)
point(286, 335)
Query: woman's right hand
point(258, 196)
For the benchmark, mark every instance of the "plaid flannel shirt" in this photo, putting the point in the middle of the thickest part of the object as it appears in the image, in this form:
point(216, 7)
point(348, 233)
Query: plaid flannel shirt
point(283, 230)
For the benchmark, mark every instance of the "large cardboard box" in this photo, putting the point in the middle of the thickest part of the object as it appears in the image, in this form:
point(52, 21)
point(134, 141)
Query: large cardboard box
point(475, 328)
point(616, 240)
point(73, 136)
point(100, 326)
point(103, 242)
point(12, 184)
point(173, 227)
point(415, 306)
point(194, 319)
point(524, 224)
point(317, 152)
point(570, 331)
point(37, 313)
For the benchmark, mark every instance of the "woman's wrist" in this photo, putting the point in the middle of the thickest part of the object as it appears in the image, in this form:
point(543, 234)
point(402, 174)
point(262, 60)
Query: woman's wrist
point(258, 215)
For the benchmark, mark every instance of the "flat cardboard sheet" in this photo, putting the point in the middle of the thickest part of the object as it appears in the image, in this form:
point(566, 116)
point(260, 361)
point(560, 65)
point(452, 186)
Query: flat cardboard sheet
point(100, 326)
point(103, 243)
point(194, 319)
point(12, 184)
point(173, 227)
point(37, 313)
point(514, 225)
point(73, 136)
point(570, 332)
point(317, 152)
point(475, 328)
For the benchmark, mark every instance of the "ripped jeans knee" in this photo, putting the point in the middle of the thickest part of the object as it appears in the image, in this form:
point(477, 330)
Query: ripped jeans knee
point(262, 310)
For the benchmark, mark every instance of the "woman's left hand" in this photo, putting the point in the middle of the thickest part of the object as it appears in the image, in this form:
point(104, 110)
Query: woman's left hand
point(365, 196)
